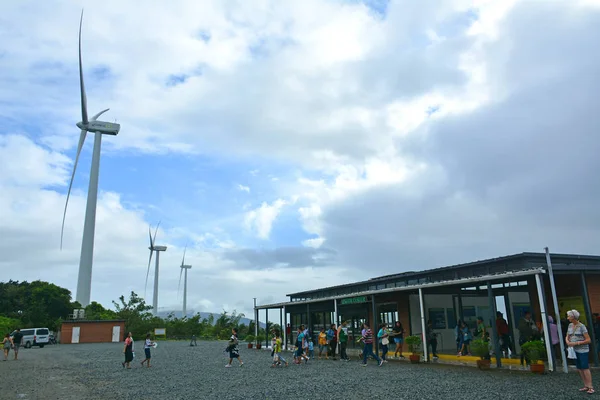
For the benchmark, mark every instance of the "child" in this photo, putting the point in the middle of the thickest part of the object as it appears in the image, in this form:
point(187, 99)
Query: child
point(6, 344)
point(311, 349)
point(323, 343)
point(234, 351)
point(277, 358)
point(149, 343)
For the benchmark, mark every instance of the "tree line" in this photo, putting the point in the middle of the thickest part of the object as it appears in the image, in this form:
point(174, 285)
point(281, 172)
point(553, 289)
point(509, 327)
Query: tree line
point(43, 304)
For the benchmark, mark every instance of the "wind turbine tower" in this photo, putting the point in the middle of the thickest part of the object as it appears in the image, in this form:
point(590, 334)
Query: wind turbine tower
point(99, 128)
point(185, 268)
point(153, 248)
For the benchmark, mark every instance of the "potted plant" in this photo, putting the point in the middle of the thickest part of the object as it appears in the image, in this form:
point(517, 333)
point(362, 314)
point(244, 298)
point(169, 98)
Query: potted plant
point(535, 351)
point(414, 344)
point(250, 339)
point(259, 340)
point(480, 348)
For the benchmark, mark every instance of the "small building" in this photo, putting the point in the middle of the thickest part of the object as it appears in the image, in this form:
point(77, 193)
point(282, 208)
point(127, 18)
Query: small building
point(82, 331)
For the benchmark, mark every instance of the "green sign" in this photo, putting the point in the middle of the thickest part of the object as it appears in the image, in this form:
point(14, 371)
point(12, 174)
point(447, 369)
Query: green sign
point(354, 300)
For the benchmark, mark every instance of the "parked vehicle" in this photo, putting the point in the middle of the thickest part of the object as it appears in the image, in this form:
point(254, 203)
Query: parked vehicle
point(34, 337)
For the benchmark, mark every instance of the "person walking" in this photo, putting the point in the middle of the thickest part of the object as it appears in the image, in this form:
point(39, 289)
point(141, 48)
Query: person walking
point(323, 344)
point(332, 340)
point(503, 334)
point(367, 339)
point(193, 341)
point(17, 341)
point(398, 336)
point(147, 345)
point(234, 351)
point(128, 351)
point(6, 345)
point(383, 339)
point(579, 340)
point(431, 340)
point(342, 334)
point(277, 357)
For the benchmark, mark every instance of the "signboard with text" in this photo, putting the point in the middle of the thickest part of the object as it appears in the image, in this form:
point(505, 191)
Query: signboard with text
point(354, 300)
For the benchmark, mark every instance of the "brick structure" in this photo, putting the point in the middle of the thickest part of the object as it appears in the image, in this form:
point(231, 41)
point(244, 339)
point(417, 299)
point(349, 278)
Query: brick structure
point(92, 331)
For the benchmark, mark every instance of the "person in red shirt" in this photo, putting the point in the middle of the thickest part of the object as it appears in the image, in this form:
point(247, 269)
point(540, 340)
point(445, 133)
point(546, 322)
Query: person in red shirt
point(503, 333)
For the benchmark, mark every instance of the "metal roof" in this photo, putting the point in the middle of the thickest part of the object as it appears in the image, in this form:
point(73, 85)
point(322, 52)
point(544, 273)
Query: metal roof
point(471, 280)
point(556, 258)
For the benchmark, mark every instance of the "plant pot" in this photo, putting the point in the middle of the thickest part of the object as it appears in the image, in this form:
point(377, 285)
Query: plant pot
point(537, 368)
point(249, 345)
point(415, 358)
point(483, 364)
point(258, 346)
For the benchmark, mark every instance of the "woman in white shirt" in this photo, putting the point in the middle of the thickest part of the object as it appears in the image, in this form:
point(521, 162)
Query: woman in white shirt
point(149, 343)
point(579, 340)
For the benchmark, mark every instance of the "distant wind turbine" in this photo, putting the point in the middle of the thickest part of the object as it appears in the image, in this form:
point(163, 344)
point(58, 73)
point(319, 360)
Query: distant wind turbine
point(84, 279)
point(158, 249)
point(183, 267)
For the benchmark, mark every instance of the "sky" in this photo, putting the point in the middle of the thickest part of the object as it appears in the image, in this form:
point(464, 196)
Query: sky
point(299, 144)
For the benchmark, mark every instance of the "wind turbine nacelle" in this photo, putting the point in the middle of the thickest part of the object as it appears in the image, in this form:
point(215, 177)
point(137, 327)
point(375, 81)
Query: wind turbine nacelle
point(107, 128)
point(160, 248)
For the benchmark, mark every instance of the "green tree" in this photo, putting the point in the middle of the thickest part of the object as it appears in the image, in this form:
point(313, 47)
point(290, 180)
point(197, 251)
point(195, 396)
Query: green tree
point(95, 311)
point(136, 314)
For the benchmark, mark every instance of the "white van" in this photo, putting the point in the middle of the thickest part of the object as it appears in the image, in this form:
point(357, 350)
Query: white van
point(34, 337)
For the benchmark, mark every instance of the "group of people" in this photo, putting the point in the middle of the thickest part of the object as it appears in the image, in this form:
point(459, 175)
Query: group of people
point(13, 343)
point(329, 340)
point(129, 351)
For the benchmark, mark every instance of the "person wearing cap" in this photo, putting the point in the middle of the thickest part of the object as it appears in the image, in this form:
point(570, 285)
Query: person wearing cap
point(579, 339)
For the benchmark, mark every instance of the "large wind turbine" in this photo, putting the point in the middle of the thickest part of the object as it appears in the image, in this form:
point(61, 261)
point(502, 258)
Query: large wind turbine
point(158, 249)
point(84, 280)
point(183, 267)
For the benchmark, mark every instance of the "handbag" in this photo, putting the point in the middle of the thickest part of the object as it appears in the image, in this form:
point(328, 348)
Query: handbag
point(385, 341)
point(571, 353)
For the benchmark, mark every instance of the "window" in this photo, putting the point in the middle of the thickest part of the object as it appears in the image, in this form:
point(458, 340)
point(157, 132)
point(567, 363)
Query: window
point(380, 286)
point(389, 285)
point(27, 332)
point(42, 331)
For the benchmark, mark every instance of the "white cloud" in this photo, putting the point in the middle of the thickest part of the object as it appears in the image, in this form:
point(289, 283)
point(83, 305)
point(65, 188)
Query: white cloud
point(261, 219)
point(243, 188)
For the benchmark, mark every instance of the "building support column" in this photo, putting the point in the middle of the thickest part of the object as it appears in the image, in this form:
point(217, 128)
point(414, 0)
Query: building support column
point(561, 339)
point(266, 328)
point(423, 325)
point(255, 323)
point(538, 281)
point(335, 312)
point(460, 306)
point(590, 321)
point(308, 321)
point(284, 329)
point(496, 341)
point(374, 327)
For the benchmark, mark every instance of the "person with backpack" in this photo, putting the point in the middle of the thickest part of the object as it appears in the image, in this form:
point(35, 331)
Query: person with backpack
point(232, 348)
point(332, 340)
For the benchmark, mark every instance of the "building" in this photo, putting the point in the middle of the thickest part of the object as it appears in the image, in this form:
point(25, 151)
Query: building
point(82, 331)
point(444, 295)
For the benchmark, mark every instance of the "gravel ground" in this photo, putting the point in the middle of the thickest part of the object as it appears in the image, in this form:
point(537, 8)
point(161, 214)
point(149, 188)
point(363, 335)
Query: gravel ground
point(93, 371)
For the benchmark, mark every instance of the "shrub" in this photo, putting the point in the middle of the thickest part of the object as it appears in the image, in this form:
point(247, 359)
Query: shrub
point(534, 350)
point(414, 343)
point(480, 348)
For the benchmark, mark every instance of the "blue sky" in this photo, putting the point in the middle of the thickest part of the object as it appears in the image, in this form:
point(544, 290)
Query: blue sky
point(270, 131)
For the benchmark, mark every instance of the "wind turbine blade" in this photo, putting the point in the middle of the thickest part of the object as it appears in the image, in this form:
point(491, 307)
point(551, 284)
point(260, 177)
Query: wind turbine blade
point(178, 286)
point(84, 116)
point(183, 259)
point(95, 117)
point(148, 273)
point(79, 147)
point(150, 235)
point(155, 232)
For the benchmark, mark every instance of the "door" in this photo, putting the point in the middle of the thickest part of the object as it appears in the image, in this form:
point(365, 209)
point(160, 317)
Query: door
point(116, 334)
point(75, 335)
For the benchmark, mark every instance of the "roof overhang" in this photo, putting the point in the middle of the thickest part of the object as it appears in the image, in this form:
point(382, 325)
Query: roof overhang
point(455, 282)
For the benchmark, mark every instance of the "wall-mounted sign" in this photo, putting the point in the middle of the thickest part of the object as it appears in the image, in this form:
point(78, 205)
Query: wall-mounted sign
point(354, 300)
point(160, 331)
